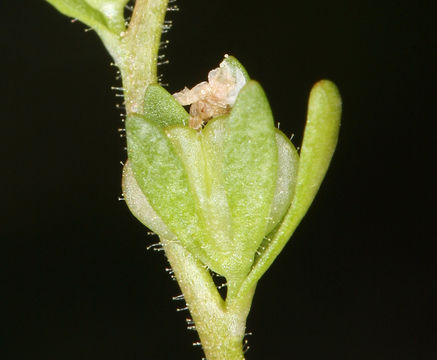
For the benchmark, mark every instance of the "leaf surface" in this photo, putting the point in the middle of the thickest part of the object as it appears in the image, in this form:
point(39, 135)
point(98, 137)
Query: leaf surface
point(102, 15)
point(162, 108)
point(163, 179)
point(250, 169)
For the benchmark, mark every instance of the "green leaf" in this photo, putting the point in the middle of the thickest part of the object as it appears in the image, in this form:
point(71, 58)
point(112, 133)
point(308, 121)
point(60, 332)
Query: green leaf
point(202, 155)
point(102, 15)
point(250, 169)
point(162, 178)
point(113, 11)
point(204, 177)
point(218, 216)
point(162, 108)
point(140, 206)
point(319, 142)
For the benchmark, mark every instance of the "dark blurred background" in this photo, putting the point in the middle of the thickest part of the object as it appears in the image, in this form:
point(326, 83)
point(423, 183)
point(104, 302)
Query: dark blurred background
point(358, 279)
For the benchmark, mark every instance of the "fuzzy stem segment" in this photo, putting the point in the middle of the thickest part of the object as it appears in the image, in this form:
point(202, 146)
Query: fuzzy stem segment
point(221, 326)
point(140, 46)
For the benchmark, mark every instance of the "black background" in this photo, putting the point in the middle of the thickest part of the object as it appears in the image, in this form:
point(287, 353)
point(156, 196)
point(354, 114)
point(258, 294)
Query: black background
point(357, 280)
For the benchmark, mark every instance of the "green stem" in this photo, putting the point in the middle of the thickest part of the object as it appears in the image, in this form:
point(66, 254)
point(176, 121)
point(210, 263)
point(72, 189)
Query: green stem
point(221, 326)
point(140, 46)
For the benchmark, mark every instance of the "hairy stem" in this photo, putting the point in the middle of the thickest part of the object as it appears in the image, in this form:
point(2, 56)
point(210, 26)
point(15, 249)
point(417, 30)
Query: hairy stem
point(221, 326)
point(140, 46)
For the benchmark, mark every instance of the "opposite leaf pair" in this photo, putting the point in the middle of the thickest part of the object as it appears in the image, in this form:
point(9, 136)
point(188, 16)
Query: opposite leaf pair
point(225, 189)
point(220, 190)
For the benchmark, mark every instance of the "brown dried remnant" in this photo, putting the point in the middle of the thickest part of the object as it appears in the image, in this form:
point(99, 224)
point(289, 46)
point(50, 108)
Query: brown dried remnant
point(211, 98)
